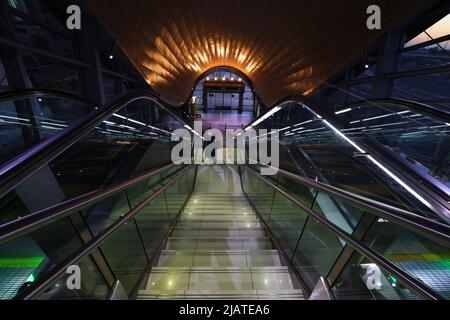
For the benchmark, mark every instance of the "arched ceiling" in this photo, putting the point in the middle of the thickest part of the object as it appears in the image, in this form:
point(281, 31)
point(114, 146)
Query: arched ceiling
point(278, 44)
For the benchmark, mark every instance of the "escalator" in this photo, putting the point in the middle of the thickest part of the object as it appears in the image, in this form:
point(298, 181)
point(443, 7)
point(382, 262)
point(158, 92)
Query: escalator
point(90, 147)
point(344, 171)
point(392, 151)
point(102, 147)
point(102, 196)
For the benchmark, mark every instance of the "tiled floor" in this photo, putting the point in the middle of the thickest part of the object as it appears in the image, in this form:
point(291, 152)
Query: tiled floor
point(218, 249)
point(11, 279)
point(434, 274)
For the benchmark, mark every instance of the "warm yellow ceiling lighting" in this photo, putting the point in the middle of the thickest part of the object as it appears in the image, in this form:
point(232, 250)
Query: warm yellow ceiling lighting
point(278, 47)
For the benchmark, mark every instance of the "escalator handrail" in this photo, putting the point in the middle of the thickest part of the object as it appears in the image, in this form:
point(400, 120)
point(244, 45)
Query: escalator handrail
point(408, 104)
point(46, 281)
point(413, 105)
point(39, 219)
point(428, 228)
point(24, 165)
point(405, 278)
point(426, 188)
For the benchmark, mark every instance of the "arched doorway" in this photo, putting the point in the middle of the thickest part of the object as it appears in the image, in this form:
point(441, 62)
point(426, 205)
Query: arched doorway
point(225, 98)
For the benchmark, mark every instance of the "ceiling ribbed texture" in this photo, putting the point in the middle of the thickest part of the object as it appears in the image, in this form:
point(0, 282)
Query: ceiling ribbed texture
point(278, 44)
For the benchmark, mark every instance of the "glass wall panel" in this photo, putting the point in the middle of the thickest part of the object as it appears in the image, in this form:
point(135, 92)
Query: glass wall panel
point(118, 149)
point(427, 57)
point(102, 214)
point(26, 122)
point(420, 257)
point(304, 194)
point(43, 37)
point(286, 223)
point(437, 30)
point(92, 285)
point(317, 252)
point(4, 85)
point(126, 256)
point(359, 92)
point(113, 88)
point(46, 74)
point(364, 280)
point(423, 87)
point(260, 194)
point(30, 257)
point(340, 213)
point(320, 151)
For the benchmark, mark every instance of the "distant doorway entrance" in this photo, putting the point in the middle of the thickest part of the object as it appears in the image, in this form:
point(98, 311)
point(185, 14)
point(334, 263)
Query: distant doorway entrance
point(223, 95)
point(223, 101)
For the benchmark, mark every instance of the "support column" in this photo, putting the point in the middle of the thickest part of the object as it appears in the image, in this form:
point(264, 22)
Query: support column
point(241, 101)
point(88, 40)
point(387, 63)
point(205, 100)
point(254, 103)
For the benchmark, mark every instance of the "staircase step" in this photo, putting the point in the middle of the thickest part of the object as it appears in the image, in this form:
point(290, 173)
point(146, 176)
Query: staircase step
point(217, 279)
point(231, 225)
point(219, 209)
point(282, 269)
point(240, 258)
point(222, 233)
point(218, 218)
point(222, 295)
point(213, 215)
point(197, 199)
point(219, 244)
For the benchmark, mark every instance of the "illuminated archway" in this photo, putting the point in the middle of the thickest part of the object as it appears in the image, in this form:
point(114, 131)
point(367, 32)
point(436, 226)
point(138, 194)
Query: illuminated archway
point(225, 88)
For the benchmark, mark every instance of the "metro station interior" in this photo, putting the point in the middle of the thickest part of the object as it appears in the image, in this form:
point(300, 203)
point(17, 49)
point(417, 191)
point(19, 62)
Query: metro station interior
point(358, 207)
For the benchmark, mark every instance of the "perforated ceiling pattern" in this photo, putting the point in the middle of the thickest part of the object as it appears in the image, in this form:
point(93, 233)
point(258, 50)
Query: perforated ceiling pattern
point(279, 44)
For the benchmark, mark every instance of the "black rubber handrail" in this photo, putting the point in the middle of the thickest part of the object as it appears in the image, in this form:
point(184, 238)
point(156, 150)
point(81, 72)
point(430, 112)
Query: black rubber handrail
point(405, 278)
point(408, 104)
point(33, 221)
point(46, 281)
point(426, 227)
point(27, 163)
point(412, 105)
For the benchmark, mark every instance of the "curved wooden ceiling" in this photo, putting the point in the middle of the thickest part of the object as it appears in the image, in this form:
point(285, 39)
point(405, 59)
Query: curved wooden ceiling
point(278, 44)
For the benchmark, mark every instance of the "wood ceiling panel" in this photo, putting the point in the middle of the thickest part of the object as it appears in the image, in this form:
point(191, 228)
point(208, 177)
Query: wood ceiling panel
point(282, 46)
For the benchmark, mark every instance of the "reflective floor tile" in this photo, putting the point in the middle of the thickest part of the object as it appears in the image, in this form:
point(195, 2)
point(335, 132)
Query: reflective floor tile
point(170, 281)
point(219, 245)
point(181, 244)
point(179, 233)
point(272, 280)
point(220, 224)
point(220, 260)
point(249, 224)
point(261, 259)
point(257, 244)
point(217, 281)
point(175, 260)
point(246, 233)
